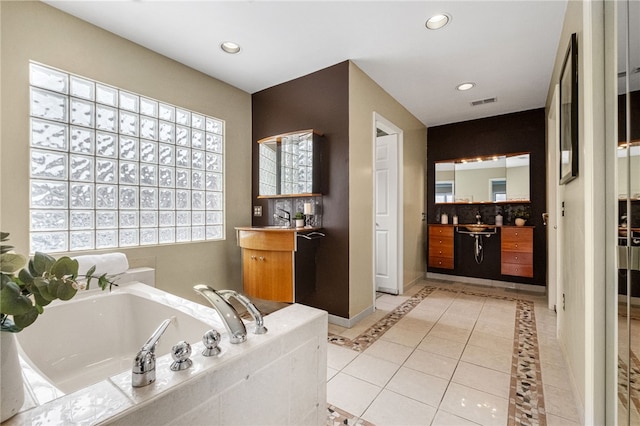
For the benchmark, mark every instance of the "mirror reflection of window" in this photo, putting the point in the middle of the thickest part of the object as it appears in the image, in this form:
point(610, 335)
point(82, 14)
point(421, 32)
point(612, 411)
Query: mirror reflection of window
point(498, 190)
point(444, 192)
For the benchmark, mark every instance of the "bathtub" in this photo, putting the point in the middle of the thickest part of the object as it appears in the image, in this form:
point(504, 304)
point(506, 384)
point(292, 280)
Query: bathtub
point(78, 358)
point(106, 332)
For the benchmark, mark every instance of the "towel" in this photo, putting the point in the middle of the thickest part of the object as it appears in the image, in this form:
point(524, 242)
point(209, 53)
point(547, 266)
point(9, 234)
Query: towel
point(109, 263)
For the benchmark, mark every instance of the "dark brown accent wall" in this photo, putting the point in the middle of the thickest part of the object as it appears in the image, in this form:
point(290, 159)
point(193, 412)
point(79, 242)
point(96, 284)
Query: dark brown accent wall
point(318, 101)
point(504, 134)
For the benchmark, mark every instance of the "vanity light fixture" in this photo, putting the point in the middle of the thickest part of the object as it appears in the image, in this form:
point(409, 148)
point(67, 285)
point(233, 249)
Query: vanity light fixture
point(465, 86)
point(438, 21)
point(230, 47)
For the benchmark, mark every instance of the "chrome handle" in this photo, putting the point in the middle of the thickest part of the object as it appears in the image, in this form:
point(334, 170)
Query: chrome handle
point(545, 218)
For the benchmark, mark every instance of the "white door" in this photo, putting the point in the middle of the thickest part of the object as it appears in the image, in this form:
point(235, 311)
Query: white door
point(386, 208)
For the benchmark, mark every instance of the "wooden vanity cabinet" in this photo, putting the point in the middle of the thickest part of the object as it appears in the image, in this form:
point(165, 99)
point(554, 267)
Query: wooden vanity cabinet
point(516, 251)
point(441, 246)
point(268, 264)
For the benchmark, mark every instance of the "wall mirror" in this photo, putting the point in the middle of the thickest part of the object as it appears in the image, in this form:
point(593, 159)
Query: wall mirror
point(491, 179)
point(289, 164)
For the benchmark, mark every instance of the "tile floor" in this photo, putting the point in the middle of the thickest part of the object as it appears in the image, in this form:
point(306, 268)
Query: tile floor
point(447, 353)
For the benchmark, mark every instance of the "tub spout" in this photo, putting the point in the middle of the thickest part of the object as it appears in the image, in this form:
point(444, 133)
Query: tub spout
point(251, 308)
point(144, 365)
point(230, 318)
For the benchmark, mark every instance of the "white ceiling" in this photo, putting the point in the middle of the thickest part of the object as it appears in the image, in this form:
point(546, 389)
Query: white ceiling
point(507, 48)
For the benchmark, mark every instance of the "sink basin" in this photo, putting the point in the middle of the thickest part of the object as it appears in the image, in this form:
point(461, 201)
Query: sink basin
point(476, 227)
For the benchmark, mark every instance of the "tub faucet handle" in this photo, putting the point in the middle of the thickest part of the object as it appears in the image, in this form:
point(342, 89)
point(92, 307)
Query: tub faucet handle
point(211, 340)
point(143, 372)
point(180, 353)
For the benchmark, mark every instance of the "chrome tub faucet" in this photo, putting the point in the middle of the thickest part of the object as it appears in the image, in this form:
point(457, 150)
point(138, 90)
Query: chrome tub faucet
point(251, 308)
point(228, 314)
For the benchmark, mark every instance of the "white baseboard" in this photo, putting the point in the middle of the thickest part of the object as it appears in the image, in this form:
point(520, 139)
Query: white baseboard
point(350, 322)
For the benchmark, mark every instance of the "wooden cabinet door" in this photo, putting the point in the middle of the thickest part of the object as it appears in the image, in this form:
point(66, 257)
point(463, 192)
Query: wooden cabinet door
point(268, 274)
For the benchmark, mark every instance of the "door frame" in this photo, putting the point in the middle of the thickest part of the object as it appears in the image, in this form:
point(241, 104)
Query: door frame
point(554, 203)
point(380, 122)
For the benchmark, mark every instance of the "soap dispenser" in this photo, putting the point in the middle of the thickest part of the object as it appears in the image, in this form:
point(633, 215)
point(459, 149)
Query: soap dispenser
point(499, 219)
point(444, 219)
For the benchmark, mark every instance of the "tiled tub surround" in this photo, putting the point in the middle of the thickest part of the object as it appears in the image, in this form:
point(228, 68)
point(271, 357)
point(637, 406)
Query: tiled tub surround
point(276, 378)
point(447, 353)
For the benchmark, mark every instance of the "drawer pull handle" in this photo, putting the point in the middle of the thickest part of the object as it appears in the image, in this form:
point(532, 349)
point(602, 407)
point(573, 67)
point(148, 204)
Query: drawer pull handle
point(516, 257)
point(253, 258)
point(262, 258)
point(516, 246)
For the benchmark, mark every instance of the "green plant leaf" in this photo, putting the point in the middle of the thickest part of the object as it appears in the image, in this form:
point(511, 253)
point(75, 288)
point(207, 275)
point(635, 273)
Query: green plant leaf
point(25, 276)
point(27, 318)
point(65, 291)
point(12, 301)
point(40, 264)
point(11, 262)
point(65, 266)
point(41, 287)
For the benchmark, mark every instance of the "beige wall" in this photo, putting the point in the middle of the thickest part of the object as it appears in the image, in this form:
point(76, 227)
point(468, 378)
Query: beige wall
point(581, 229)
point(475, 184)
point(365, 98)
point(35, 31)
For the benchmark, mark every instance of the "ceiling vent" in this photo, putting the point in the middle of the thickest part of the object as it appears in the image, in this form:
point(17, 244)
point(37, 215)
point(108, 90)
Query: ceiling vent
point(484, 101)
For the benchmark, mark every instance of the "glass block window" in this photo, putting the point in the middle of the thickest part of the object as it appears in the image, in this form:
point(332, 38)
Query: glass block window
point(111, 168)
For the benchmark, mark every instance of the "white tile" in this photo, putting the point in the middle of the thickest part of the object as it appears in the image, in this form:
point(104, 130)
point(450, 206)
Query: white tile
point(351, 394)
point(430, 363)
point(419, 386)
point(560, 403)
point(404, 337)
point(474, 405)
point(489, 358)
point(442, 346)
point(490, 341)
point(338, 357)
point(390, 408)
point(443, 418)
point(483, 379)
point(389, 351)
point(371, 369)
point(500, 329)
point(553, 420)
point(554, 375)
point(331, 372)
point(450, 332)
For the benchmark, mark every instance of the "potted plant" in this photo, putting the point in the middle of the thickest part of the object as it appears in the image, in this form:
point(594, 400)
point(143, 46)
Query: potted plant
point(299, 217)
point(521, 216)
point(24, 292)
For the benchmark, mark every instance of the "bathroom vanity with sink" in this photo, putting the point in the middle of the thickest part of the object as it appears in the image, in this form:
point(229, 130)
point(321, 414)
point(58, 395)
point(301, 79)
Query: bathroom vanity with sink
point(278, 263)
point(510, 250)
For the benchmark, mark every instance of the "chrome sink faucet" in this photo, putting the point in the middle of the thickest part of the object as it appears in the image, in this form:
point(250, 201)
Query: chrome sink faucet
point(286, 217)
point(479, 217)
point(228, 314)
point(144, 365)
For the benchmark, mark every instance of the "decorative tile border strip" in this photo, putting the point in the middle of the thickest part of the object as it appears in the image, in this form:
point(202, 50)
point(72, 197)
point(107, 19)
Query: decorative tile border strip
point(526, 398)
point(336, 416)
point(373, 333)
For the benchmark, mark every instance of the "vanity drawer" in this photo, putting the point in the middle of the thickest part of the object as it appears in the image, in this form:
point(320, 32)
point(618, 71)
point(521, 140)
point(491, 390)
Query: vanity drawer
point(517, 257)
point(441, 262)
point(517, 269)
point(436, 231)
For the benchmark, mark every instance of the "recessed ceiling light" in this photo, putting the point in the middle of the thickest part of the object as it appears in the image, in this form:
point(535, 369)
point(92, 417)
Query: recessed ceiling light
point(230, 47)
point(438, 21)
point(465, 86)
